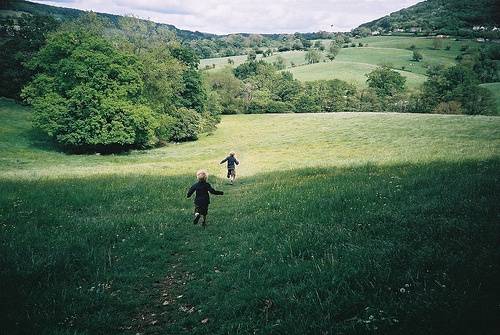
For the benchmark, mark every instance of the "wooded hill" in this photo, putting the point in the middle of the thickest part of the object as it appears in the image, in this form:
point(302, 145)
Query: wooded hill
point(479, 18)
point(18, 7)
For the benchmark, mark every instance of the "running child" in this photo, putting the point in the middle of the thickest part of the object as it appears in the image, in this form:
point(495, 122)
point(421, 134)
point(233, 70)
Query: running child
point(231, 166)
point(202, 198)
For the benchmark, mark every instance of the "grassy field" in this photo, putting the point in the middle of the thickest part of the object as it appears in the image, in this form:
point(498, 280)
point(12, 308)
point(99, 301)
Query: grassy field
point(339, 224)
point(422, 43)
point(352, 72)
point(354, 62)
point(495, 90)
point(295, 57)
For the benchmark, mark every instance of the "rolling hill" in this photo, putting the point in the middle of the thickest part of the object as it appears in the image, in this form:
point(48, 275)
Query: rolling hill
point(451, 17)
point(18, 7)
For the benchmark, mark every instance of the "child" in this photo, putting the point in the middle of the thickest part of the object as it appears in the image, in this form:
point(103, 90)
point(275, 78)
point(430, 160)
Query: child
point(202, 198)
point(231, 167)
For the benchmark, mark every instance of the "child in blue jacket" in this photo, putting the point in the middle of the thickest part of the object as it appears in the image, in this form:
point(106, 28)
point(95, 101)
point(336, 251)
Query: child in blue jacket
point(231, 166)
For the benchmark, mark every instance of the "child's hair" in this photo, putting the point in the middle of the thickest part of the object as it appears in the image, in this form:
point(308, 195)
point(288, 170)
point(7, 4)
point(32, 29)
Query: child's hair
point(231, 153)
point(202, 175)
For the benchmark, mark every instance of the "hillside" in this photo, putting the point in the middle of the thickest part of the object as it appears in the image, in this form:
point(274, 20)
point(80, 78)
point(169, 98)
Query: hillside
point(353, 63)
point(450, 17)
point(18, 7)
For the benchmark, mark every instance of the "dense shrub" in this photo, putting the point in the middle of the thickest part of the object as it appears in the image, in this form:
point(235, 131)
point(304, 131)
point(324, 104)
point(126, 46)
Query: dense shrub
point(186, 126)
point(258, 106)
point(457, 83)
point(386, 82)
point(229, 89)
point(452, 107)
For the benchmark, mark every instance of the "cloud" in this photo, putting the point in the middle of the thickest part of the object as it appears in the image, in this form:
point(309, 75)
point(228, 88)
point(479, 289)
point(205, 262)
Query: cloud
point(258, 16)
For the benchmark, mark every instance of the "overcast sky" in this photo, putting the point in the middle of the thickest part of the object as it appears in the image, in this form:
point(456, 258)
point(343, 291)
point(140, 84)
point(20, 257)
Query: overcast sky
point(257, 16)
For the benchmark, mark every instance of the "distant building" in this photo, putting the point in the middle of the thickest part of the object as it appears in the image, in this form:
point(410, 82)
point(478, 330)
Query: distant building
point(415, 29)
point(399, 30)
point(375, 33)
point(480, 40)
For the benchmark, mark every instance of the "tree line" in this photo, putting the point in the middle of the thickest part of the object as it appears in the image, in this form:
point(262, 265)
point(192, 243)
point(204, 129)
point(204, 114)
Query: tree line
point(257, 86)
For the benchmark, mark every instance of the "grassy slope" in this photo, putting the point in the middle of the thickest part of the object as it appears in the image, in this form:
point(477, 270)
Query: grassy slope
point(340, 139)
point(495, 90)
point(334, 215)
point(297, 57)
point(352, 72)
point(353, 63)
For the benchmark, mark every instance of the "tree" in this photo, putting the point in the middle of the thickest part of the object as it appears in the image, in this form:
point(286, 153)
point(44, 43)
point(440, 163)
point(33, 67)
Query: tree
point(87, 95)
point(457, 83)
point(229, 90)
point(437, 43)
point(279, 63)
point(251, 56)
point(187, 125)
point(312, 56)
point(23, 38)
point(386, 82)
point(417, 56)
point(333, 51)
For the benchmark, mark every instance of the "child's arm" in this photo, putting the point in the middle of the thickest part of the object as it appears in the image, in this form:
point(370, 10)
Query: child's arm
point(222, 161)
point(236, 161)
point(211, 190)
point(191, 190)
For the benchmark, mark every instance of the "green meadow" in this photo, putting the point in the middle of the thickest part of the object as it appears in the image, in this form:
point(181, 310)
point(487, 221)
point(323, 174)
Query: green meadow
point(495, 91)
point(353, 63)
point(351, 72)
point(344, 223)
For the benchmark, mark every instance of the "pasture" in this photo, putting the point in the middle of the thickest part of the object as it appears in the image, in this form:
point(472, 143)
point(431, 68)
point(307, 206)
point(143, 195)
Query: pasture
point(351, 72)
point(339, 223)
point(495, 91)
point(353, 63)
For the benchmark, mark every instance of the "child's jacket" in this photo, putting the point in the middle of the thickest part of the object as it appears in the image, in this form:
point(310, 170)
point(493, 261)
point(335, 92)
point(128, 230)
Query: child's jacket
point(230, 162)
point(202, 189)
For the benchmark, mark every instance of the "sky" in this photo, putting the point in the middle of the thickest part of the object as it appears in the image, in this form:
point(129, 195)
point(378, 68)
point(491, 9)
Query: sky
point(249, 16)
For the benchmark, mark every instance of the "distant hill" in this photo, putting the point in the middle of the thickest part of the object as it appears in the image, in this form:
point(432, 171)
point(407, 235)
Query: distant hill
point(451, 17)
point(18, 7)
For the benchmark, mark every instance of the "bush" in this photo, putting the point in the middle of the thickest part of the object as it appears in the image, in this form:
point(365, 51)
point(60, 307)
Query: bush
point(187, 125)
point(457, 83)
point(260, 106)
point(306, 103)
point(417, 56)
point(166, 124)
point(451, 107)
point(385, 81)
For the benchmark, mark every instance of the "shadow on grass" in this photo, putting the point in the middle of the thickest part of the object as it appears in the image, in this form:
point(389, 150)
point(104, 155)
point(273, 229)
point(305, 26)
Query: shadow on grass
point(407, 249)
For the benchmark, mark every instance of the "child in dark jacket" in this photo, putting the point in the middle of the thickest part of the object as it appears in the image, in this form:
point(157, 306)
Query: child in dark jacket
point(202, 198)
point(231, 166)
